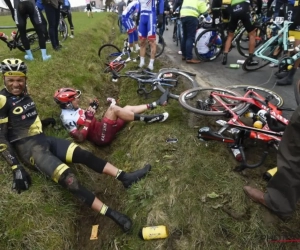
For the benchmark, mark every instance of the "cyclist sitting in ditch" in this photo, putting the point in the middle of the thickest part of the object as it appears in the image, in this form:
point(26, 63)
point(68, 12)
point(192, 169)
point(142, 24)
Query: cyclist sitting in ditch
point(127, 21)
point(82, 124)
point(202, 44)
point(22, 133)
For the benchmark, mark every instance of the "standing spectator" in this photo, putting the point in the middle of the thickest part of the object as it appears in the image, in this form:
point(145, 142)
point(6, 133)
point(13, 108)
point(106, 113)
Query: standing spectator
point(166, 12)
point(52, 8)
point(130, 26)
point(189, 13)
point(121, 7)
point(147, 28)
point(23, 9)
point(66, 11)
point(240, 10)
point(89, 8)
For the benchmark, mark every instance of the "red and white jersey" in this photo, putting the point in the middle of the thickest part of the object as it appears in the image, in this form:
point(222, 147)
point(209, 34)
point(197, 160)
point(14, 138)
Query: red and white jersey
point(71, 118)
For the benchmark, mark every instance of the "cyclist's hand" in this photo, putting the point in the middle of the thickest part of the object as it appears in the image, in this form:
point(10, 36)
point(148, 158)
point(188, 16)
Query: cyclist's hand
point(89, 115)
point(21, 179)
point(94, 104)
point(160, 21)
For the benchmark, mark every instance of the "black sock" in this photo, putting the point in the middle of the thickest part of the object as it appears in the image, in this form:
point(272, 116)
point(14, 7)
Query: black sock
point(137, 117)
point(120, 175)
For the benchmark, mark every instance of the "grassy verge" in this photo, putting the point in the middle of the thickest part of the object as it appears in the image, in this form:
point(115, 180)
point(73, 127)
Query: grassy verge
point(191, 189)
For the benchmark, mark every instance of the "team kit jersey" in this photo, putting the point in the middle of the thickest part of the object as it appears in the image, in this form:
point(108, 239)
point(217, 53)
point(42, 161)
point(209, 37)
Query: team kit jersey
point(147, 25)
point(128, 13)
point(99, 132)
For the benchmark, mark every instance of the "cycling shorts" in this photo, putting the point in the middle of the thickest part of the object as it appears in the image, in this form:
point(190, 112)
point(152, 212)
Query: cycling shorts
point(241, 12)
point(27, 9)
point(44, 152)
point(128, 24)
point(147, 25)
point(103, 132)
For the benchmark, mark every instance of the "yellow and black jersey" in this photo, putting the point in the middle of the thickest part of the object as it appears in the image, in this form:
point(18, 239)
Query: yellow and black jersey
point(18, 116)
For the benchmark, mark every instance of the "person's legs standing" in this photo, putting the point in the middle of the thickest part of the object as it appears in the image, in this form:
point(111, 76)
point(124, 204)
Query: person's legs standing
point(191, 25)
point(51, 17)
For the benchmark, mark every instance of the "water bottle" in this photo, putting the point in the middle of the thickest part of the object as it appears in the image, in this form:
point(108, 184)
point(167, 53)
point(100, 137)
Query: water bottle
point(234, 66)
point(269, 174)
point(155, 232)
point(237, 154)
point(2, 35)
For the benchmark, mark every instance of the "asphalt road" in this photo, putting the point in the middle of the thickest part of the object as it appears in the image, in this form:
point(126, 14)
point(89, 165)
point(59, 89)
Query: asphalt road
point(216, 74)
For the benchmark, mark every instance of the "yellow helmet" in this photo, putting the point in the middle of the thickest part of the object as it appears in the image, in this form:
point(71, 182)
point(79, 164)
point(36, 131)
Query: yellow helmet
point(13, 67)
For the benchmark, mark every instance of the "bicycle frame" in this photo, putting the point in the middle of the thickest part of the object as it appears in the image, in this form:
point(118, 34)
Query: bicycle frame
point(284, 30)
point(265, 133)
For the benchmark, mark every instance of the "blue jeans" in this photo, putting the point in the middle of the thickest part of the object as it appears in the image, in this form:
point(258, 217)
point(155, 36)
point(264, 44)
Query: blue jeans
point(162, 28)
point(52, 15)
point(189, 28)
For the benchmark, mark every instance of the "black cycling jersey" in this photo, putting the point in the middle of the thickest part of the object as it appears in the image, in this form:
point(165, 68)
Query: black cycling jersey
point(20, 116)
point(21, 128)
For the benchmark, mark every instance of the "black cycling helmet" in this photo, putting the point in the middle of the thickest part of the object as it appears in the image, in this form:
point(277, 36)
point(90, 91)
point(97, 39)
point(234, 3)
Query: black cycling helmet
point(13, 67)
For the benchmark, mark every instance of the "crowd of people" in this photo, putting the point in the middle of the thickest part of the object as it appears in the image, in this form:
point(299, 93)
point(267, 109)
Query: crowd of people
point(34, 9)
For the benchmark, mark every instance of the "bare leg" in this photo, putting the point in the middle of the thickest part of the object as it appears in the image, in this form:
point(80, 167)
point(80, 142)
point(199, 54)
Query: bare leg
point(111, 170)
point(97, 205)
point(136, 109)
point(153, 48)
point(252, 41)
point(143, 43)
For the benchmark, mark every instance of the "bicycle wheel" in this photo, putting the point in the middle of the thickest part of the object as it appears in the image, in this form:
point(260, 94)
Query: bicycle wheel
point(62, 29)
point(275, 99)
point(176, 81)
point(32, 38)
point(204, 104)
point(273, 51)
point(242, 41)
point(160, 46)
point(108, 52)
point(297, 92)
point(209, 39)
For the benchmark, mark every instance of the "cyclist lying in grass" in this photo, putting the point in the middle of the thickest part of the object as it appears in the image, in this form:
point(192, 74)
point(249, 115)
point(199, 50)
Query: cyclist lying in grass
point(82, 125)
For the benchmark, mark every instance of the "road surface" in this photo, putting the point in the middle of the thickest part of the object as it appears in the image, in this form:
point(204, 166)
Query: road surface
point(216, 74)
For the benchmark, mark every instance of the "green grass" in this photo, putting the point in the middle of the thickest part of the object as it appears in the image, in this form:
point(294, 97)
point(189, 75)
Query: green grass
point(174, 194)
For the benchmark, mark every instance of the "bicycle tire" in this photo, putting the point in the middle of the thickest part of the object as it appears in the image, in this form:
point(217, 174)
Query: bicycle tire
point(108, 52)
point(297, 92)
point(277, 100)
point(218, 49)
point(184, 100)
point(183, 82)
point(248, 68)
point(63, 29)
point(33, 40)
point(160, 47)
point(260, 38)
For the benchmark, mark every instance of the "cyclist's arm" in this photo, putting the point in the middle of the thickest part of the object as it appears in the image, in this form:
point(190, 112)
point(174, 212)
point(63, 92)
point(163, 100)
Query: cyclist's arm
point(9, 5)
point(177, 4)
point(78, 132)
point(6, 149)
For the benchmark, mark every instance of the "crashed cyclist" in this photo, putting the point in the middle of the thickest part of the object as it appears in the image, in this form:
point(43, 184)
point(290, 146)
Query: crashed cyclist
point(83, 125)
point(21, 135)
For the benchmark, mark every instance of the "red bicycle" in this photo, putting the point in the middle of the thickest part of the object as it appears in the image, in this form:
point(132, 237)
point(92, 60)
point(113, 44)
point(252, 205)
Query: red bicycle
point(263, 106)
